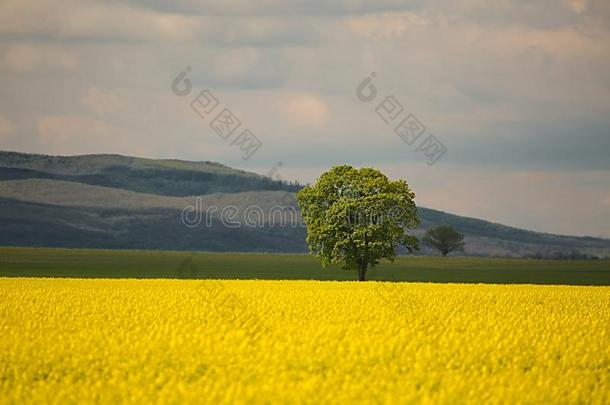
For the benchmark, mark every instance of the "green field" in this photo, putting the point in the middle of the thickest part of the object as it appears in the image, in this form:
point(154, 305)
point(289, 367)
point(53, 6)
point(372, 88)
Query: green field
point(32, 262)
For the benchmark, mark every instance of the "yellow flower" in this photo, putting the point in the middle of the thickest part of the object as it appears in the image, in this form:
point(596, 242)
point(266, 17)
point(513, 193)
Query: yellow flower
point(159, 341)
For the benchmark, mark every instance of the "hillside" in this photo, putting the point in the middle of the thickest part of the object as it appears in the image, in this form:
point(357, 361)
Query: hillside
point(161, 177)
point(118, 202)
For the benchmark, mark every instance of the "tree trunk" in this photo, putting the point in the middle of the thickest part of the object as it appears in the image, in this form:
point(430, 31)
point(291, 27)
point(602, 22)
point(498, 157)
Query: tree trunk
point(362, 272)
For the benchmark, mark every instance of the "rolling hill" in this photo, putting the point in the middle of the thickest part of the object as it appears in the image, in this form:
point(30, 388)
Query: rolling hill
point(159, 177)
point(119, 202)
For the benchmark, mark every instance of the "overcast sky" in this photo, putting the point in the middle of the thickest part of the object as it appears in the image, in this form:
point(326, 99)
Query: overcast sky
point(518, 92)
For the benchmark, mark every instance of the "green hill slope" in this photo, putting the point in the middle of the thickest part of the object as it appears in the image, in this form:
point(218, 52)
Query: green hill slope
point(162, 177)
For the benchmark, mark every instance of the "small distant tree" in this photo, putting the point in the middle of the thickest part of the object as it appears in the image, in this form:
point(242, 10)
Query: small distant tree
point(445, 239)
point(357, 217)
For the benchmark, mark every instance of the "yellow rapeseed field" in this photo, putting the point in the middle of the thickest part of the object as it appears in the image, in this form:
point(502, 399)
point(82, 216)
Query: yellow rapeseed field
point(170, 341)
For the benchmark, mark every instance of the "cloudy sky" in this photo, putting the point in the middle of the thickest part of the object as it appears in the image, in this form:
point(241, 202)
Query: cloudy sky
point(518, 92)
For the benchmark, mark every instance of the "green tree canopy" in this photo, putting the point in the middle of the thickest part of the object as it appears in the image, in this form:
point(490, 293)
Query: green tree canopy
point(357, 217)
point(445, 239)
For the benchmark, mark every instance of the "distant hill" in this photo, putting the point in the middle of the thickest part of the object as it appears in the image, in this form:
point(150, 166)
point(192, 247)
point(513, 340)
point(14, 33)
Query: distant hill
point(162, 177)
point(119, 202)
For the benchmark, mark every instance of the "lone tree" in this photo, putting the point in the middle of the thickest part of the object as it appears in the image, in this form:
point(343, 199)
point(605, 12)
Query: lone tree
point(357, 217)
point(445, 239)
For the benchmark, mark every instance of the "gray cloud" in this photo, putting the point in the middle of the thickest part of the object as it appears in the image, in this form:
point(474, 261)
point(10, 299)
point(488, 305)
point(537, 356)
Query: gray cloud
point(100, 22)
point(508, 87)
point(280, 7)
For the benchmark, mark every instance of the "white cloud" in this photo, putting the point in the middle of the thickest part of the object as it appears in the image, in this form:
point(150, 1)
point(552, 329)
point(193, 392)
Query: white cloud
point(71, 133)
point(578, 5)
point(305, 110)
point(28, 57)
point(386, 26)
point(6, 126)
point(101, 101)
